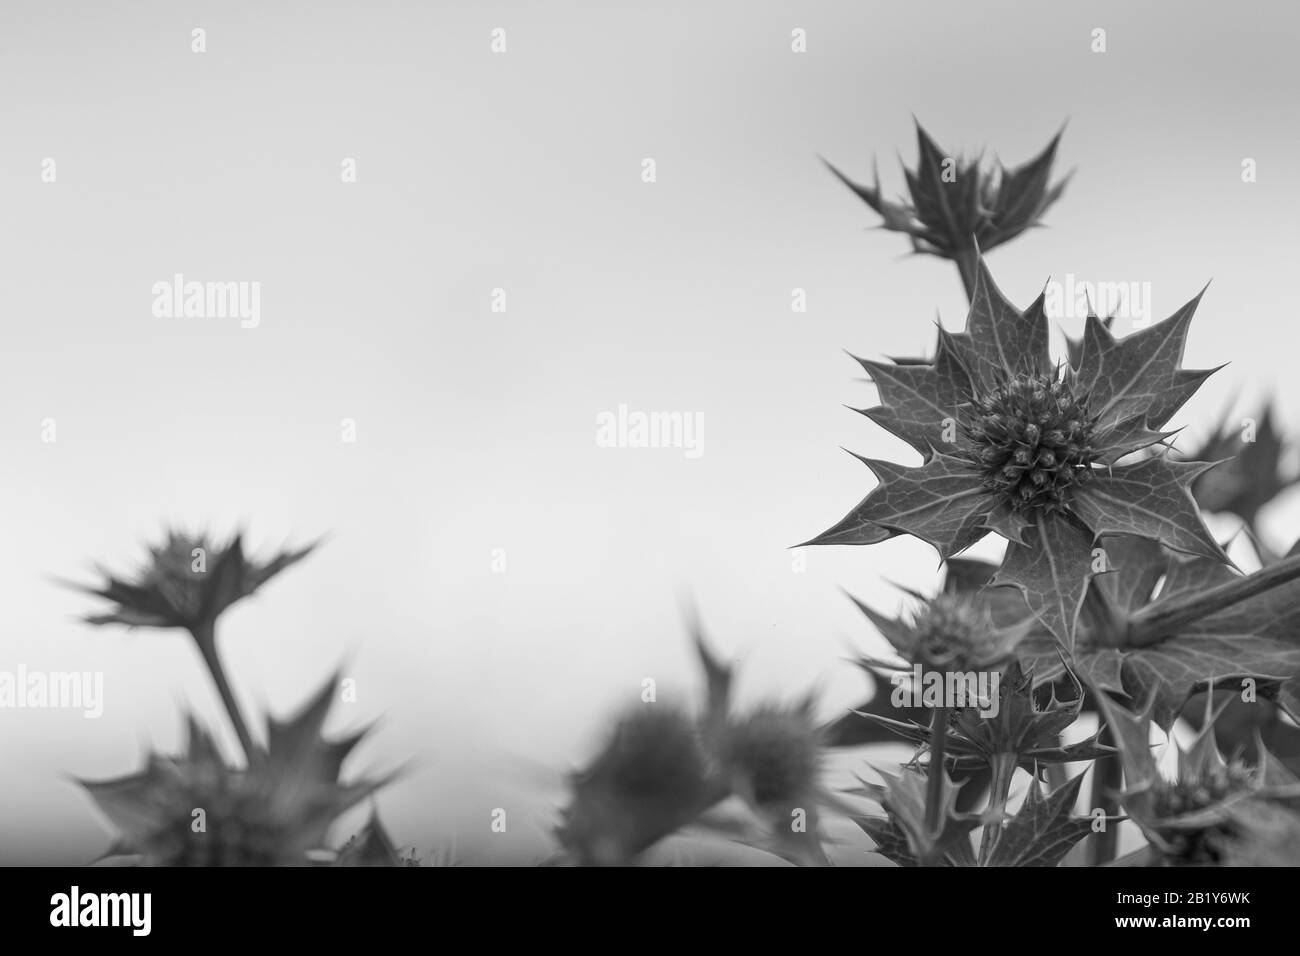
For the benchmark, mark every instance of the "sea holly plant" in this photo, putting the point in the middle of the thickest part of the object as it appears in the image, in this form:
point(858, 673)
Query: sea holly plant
point(187, 583)
point(1116, 592)
point(958, 206)
point(664, 770)
point(196, 810)
point(1211, 809)
point(199, 809)
point(1011, 725)
point(1039, 453)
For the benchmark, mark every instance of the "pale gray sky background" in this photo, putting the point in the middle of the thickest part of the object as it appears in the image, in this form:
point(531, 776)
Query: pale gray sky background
point(476, 431)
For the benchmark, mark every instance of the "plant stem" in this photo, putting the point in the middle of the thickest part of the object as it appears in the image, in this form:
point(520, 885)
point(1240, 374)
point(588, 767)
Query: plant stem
point(934, 779)
point(205, 635)
point(967, 267)
point(1107, 778)
point(1153, 624)
point(1004, 769)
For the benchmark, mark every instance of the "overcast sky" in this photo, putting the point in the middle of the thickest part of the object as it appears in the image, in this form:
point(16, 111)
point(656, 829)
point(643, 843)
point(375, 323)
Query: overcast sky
point(476, 430)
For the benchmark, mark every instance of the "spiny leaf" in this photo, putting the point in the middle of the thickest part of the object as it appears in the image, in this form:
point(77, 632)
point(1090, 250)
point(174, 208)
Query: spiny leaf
point(904, 799)
point(1253, 639)
point(1129, 436)
point(1074, 347)
point(956, 201)
point(938, 502)
point(1132, 735)
point(854, 528)
point(917, 401)
point(931, 194)
point(896, 216)
point(1133, 569)
point(1051, 572)
point(1024, 194)
point(1043, 832)
point(1006, 521)
point(1005, 340)
point(890, 840)
point(1135, 374)
point(1151, 499)
point(891, 843)
point(1172, 670)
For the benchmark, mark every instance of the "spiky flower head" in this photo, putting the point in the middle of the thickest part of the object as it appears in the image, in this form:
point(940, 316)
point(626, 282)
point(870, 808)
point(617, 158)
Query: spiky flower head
point(1032, 440)
point(1035, 452)
point(196, 810)
point(772, 757)
point(949, 632)
point(958, 204)
point(188, 581)
point(1191, 818)
point(651, 778)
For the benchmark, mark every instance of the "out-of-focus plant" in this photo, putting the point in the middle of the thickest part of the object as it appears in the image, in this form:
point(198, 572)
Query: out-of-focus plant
point(651, 778)
point(663, 769)
point(187, 583)
point(1254, 471)
point(197, 809)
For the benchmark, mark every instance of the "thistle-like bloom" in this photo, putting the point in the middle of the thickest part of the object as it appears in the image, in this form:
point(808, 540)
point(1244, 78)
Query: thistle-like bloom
point(958, 205)
point(651, 778)
point(1195, 817)
point(195, 810)
point(949, 632)
point(771, 757)
point(1032, 451)
point(187, 583)
point(662, 769)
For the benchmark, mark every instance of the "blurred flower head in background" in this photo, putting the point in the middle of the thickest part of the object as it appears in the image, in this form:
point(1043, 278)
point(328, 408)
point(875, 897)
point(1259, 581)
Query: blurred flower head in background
point(188, 581)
